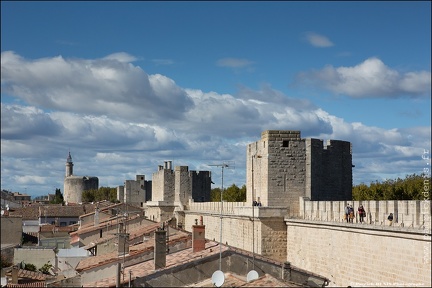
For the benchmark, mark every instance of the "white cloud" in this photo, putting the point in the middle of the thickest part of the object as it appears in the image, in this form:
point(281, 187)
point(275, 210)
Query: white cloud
point(113, 115)
point(121, 57)
point(109, 86)
point(369, 79)
point(318, 40)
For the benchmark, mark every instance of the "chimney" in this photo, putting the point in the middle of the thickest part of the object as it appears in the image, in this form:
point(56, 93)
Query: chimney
point(15, 274)
point(96, 216)
point(286, 271)
point(198, 236)
point(160, 249)
point(123, 244)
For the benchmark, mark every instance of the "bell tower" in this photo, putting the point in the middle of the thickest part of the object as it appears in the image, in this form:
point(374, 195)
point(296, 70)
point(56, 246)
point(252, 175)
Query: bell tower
point(69, 166)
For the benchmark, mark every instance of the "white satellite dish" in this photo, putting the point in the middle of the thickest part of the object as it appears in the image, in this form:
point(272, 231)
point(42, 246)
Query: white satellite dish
point(252, 275)
point(2, 212)
point(218, 278)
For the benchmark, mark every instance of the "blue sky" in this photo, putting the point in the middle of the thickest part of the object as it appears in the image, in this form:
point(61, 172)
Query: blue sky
point(127, 85)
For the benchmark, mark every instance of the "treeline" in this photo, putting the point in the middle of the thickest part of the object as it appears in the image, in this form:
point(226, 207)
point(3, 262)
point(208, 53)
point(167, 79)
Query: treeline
point(231, 194)
point(413, 187)
point(103, 193)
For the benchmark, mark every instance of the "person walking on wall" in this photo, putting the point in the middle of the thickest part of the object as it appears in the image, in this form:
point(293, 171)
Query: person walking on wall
point(351, 213)
point(390, 219)
point(361, 213)
point(347, 213)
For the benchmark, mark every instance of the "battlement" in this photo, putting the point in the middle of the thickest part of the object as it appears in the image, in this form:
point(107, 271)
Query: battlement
point(278, 135)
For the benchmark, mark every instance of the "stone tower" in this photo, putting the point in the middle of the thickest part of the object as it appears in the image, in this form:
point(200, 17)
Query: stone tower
point(282, 166)
point(74, 186)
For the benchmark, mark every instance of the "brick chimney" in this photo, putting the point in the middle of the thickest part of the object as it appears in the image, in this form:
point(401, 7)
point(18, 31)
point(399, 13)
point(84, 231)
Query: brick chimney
point(198, 236)
point(15, 274)
point(160, 249)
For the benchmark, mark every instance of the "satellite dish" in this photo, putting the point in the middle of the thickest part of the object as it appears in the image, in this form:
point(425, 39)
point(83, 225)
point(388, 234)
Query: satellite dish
point(252, 275)
point(218, 278)
point(2, 212)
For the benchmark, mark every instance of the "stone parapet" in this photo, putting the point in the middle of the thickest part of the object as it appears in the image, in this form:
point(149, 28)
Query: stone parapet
point(407, 213)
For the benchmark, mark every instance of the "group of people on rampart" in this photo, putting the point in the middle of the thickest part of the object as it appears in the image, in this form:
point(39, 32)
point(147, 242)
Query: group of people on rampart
point(349, 214)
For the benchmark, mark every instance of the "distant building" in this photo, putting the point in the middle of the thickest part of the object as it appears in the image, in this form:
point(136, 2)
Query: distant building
point(172, 190)
point(74, 186)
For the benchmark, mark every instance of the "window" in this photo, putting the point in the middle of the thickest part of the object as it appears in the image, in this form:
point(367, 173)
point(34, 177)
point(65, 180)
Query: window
point(62, 224)
point(285, 143)
point(72, 222)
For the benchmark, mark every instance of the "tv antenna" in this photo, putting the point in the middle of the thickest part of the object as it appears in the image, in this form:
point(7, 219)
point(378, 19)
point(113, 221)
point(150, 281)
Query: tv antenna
point(228, 164)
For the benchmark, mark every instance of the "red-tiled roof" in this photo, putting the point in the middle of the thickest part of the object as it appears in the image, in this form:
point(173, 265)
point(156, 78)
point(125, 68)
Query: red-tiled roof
point(49, 228)
point(28, 213)
point(146, 268)
point(33, 212)
point(65, 211)
point(27, 274)
point(139, 231)
point(96, 261)
point(112, 221)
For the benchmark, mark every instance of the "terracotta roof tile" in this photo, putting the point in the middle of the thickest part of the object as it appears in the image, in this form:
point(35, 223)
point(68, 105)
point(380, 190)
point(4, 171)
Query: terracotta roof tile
point(25, 285)
point(99, 260)
point(175, 259)
point(65, 211)
point(27, 213)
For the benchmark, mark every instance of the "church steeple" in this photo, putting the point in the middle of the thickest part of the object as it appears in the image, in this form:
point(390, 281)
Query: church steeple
point(69, 166)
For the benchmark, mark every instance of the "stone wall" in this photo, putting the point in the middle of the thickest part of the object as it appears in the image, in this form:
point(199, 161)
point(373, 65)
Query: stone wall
point(360, 255)
point(11, 229)
point(34, 255)
point(74, 186)
point(267, 233)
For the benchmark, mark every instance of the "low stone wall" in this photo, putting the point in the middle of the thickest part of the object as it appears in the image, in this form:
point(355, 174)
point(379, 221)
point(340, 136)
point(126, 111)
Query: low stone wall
point(360, 255)
point(37, 256)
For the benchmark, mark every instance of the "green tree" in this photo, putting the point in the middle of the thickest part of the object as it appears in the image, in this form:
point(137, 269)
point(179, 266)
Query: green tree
point(230, 194)
point(103, 193)
point(29, 267)
point(46, 267)
point(410, 188)
point(58, 197)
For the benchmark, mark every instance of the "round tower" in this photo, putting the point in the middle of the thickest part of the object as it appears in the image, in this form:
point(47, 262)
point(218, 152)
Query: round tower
point(69, 166)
